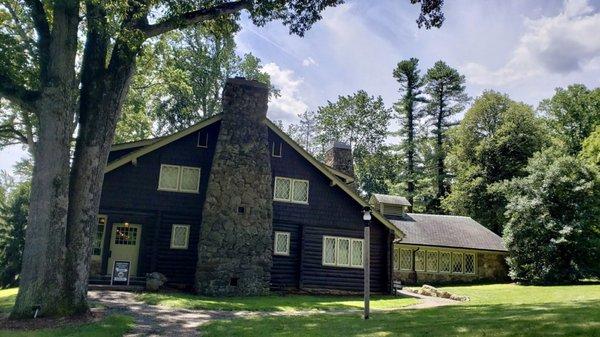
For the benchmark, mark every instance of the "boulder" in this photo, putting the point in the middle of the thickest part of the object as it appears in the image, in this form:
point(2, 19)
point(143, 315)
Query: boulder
point(154, 281)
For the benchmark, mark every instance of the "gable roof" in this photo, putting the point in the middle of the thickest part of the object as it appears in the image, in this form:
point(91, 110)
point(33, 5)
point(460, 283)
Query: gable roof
point(335, 180)
point(390, 199)
point(447, 231)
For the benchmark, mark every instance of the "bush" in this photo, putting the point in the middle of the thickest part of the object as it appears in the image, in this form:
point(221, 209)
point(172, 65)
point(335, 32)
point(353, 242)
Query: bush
point(13, 220)
point(553, 234)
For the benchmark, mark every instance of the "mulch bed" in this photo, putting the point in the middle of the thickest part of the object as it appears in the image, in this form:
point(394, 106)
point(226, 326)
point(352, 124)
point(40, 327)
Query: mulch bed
point(46, 322)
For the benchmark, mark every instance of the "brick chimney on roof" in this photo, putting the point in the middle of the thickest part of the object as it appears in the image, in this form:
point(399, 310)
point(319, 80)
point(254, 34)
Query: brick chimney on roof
point(339, 156)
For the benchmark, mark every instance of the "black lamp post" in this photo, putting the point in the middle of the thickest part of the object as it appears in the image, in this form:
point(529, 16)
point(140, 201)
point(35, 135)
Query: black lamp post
point(367, 258)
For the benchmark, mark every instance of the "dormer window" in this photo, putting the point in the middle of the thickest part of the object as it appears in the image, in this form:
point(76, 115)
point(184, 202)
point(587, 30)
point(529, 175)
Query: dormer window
point(389, 204)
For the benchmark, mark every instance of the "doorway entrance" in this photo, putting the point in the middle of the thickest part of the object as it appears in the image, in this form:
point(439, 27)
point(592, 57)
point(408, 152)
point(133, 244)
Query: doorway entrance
point(125, 245)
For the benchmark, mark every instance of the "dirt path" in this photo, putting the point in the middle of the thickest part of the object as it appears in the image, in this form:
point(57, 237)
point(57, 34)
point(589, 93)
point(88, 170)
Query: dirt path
point(157, 321)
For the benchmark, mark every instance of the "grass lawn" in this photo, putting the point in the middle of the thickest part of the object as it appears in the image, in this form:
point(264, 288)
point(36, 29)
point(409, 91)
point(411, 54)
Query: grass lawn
point(112, 326)
point(274, 302)
point(495, 310)
point(7, 299)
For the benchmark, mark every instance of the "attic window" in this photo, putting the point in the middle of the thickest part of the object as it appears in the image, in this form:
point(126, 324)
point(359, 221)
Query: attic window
point(291, 190)
point(277, 149)
point(203, 139)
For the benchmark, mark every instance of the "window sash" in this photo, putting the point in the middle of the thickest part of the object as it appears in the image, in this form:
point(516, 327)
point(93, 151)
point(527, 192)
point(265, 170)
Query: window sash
point(445, 262)
point(432, 261)
point(194, 175)
point(469, 267)
point(163, 184)
point(457, 263)
point(342, 252)
point(176, 232)
point(282, 243)
point(405, 259)
point(291, 190)
point(184, 175)
point(420, 257)
point(282, 189)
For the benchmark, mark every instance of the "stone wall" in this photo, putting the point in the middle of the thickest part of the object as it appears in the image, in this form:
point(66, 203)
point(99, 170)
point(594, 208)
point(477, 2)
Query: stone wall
point(235, 246)
point(491, 267)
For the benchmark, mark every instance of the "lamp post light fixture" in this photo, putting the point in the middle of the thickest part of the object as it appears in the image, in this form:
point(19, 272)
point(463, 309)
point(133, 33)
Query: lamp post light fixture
point(367, 258)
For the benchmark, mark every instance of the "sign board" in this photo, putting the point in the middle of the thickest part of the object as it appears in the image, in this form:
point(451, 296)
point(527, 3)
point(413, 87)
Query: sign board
point(120, 272)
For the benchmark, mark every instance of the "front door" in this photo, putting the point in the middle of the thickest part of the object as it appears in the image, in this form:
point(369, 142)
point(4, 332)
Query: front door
point(125, 245)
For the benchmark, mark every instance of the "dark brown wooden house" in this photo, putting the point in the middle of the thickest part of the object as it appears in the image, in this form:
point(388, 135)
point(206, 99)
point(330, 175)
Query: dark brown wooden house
point(193, 207)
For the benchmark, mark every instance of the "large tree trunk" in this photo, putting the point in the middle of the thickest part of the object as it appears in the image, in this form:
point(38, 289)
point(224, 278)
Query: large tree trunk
point(42, 275)
point(99, 113)
point(42, 283)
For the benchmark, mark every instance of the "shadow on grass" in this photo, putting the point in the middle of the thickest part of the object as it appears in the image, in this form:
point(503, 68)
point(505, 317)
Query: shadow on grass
point(273, 302)
point(556, 319)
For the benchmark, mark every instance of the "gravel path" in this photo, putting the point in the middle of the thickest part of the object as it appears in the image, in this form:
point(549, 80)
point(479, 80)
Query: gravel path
point(157, 321)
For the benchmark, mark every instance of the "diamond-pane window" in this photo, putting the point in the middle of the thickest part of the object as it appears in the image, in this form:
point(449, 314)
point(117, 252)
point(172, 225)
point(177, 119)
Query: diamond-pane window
point(282, 189)
point(126, 235)
point(420, 260)
point(343, 258)
point(190, 179)
point(357, 253)
point(300, 191)
point(343, 252)
point(169, 178)
point(405, 259)
point(282, 243)
point(457, 262)
point(432, 261)
point(329, 251)
point(445, 262)
point(397, 259)
point(180, 235)
point(469, 263)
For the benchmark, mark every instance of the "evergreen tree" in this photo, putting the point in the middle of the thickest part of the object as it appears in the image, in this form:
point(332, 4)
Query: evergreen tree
point(410, 114)
point(13, 221)
point(445, 88)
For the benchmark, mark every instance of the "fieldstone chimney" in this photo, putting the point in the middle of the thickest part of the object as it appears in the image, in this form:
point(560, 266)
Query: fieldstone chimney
point(235, 248)
point(339, 157)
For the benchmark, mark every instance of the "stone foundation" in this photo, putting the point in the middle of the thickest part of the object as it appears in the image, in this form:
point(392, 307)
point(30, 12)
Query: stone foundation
point(235, 247)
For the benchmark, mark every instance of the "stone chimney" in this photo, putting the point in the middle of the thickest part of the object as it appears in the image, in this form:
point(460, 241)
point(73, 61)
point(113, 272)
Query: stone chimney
point(339, 157)
point(235, 247)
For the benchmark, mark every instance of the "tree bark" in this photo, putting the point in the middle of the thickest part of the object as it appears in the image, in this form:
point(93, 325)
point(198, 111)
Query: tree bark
point(42, 275)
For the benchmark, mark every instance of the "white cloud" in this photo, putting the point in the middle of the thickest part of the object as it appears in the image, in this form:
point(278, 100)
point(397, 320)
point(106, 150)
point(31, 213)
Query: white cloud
point(561, 44)
point(289, 104)
point(309, 61)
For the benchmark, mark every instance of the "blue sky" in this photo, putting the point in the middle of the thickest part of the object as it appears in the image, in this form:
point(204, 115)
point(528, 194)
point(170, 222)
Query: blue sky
point(522, 48)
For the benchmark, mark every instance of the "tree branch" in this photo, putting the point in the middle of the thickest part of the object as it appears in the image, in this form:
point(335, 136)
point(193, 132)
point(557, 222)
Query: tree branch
point(194, 17)
point(17, 94)
point(40, 21)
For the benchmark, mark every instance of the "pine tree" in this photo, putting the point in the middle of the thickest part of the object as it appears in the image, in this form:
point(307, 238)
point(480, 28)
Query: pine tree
point(445, 88)
point(410, 114)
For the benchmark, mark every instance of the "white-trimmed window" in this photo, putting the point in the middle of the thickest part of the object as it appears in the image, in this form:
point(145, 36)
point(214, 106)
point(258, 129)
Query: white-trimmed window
point(277, 149)
point(176, 178)
point(282, 243)
point(420, 256)
point(405, 259)
point(180, 236)
point(432, 261)
point(445, 262)
point(342, 252)
point(469, 263)
point(457, 263)
point(290, 190)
